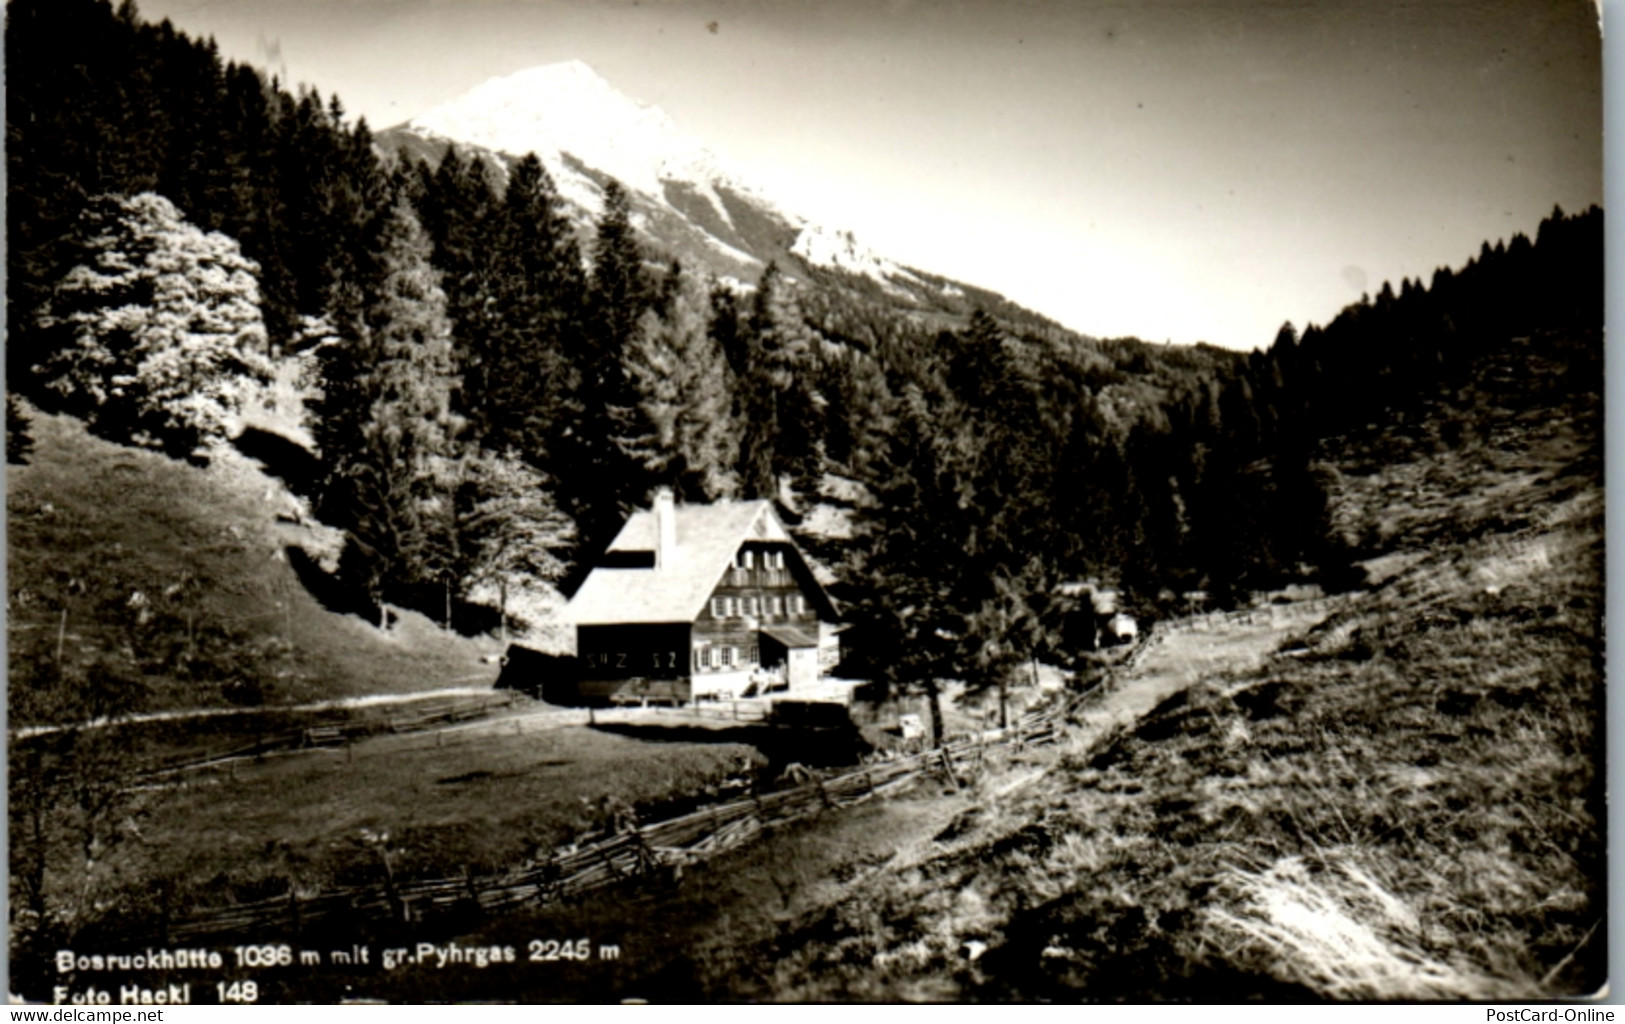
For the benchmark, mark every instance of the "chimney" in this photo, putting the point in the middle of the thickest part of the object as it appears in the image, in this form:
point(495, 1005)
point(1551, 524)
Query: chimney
point(665, 527)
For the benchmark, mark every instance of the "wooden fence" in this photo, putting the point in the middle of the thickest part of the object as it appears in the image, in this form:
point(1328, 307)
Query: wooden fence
point(419, 717)
point(608, 859)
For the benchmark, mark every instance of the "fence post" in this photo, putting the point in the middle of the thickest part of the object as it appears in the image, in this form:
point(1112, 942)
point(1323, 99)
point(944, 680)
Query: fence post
point(948, 767)
point(609, 862)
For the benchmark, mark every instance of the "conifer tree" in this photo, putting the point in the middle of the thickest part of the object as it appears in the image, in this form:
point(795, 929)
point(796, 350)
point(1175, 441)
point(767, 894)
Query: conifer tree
point(783, 422)
point(906, 557)
point(457, 210)
point(683, 435)
point(527, 396)
point(619, 292)
point(389, 459)
point(601, 479)
point(861, 411)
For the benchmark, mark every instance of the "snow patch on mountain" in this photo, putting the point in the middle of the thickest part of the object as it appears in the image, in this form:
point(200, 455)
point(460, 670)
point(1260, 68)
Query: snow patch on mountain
point(840, 250)
point(732, 252)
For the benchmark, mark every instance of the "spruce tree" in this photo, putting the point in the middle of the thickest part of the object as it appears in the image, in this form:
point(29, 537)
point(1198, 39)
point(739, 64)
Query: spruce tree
point(783, 427)
point(527, 395)
point(457, 209)
point(601, 480)
point(619, 293)
point(390, 487)
point(684, 434)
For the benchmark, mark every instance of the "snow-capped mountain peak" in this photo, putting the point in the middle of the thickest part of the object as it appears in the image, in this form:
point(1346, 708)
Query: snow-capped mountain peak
point(569, 108)
point(582, 128)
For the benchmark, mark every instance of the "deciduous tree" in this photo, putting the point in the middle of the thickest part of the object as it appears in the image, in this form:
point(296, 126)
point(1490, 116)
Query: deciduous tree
point(157, 331)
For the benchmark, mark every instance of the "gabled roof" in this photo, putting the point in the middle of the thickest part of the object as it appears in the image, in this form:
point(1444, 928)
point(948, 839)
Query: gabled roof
point(707, 538)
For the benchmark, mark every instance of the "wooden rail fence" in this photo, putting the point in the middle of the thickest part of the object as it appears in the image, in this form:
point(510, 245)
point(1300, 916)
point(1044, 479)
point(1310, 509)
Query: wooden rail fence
point(635, 852)
point(428, 715)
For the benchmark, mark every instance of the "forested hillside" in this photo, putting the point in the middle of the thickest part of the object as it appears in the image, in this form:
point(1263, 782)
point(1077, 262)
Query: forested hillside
point(491, 387)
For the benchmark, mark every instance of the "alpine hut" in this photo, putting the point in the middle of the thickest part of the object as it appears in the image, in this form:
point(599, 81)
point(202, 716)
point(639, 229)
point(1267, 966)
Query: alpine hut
point(697, 601)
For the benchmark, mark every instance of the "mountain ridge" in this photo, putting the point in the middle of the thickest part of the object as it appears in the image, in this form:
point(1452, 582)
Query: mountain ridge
point(687, 203)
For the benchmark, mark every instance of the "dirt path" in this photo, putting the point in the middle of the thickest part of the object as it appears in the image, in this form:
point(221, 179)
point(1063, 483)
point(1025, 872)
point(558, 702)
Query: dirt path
point(190, 714)
point(1181, 653)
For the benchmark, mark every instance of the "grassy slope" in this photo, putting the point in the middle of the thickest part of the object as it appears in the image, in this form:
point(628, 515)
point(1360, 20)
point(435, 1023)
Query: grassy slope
point(91, 523)
point(482, 800)
point(1404, 804)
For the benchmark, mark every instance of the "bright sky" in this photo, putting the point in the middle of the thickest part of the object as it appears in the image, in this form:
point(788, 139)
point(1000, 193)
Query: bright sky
point(1181, 170)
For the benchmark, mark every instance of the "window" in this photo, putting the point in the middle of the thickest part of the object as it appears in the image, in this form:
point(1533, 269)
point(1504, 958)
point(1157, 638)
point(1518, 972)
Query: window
point(749, 559)
point(798, 604)
point(778, 560)
point(756, 606)
point(778, 606)
point(732, 604)
point(727, 658)
point(753, 655)
point(718, 608)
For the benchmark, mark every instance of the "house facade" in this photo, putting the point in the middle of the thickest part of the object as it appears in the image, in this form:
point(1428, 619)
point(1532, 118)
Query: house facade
point(698, 601)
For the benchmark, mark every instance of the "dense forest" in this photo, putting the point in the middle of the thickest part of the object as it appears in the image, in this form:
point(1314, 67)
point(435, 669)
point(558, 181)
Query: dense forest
point(492, 388)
